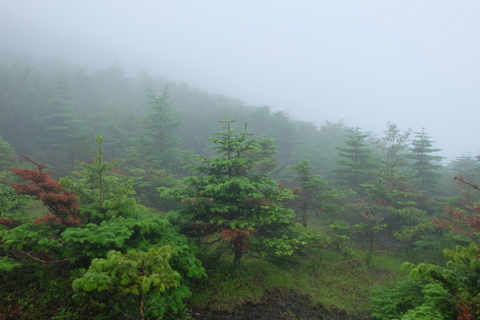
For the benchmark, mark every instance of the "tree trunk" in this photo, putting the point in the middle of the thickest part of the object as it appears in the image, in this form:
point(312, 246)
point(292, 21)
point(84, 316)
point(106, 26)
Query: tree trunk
point(304, 217)
point(238, 250)
point(142, 306)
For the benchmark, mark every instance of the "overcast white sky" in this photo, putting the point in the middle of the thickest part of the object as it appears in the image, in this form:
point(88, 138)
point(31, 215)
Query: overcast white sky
point(413, 63)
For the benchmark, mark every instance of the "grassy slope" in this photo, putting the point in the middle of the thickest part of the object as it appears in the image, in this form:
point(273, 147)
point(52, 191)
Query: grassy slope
point(334, 281)
point(329, 279)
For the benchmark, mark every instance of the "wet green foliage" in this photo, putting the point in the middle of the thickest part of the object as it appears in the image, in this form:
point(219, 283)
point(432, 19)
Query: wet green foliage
point(386, 205)
point(231, 199)
point(113, 231)
point(139, 278)
point(432, 291)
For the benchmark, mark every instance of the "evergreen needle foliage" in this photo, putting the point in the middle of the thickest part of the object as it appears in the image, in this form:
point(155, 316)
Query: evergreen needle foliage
point(434, 292)
point(138, 264)
point(232, 201)
point(142, 276)
point(97, 244)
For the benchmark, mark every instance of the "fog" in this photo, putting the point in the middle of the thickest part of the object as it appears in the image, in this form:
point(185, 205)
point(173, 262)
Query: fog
point(412, 63)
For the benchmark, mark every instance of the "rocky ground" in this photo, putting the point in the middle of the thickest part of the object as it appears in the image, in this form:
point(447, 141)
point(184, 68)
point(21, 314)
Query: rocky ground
point(277, 306)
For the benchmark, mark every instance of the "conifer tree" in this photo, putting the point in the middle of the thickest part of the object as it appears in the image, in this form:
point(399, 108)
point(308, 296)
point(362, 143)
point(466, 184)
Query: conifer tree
point(104, 194)
point(130, 247)
point(468, 168)
point(393, 180)
point(308, 188)
point(356, 163)
point(137, 278)
point(393, 146)
point(425, 163)
point(232, 200)
point(159, 141)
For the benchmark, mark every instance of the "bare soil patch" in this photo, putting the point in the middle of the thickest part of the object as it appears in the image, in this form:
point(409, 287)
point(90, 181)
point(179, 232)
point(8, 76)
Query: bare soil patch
point(277, 306)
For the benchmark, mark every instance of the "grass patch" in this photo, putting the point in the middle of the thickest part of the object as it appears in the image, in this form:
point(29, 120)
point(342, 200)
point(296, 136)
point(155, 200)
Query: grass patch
point(227, 287)
point(328, 278)
point(335, 281)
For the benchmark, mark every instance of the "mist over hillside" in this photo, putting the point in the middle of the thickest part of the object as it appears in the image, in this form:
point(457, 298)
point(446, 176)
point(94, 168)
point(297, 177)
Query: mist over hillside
point(216, 159)
point(411, 64)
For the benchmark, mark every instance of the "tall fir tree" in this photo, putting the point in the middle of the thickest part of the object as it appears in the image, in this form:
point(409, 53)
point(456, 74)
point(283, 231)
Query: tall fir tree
point(229, 198)
point(159, 142)
point(393, 147)
point(308, 188)
point(424, 163)
point(356, 162)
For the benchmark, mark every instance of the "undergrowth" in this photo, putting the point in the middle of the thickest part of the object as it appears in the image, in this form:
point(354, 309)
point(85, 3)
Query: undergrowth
point(328, 278)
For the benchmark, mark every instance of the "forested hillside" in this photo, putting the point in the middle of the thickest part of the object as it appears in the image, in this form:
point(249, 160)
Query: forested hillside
point(133, 197)
point(53, 114)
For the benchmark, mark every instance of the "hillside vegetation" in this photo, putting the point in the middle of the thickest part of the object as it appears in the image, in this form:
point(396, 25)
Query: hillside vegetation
point(137, 198)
